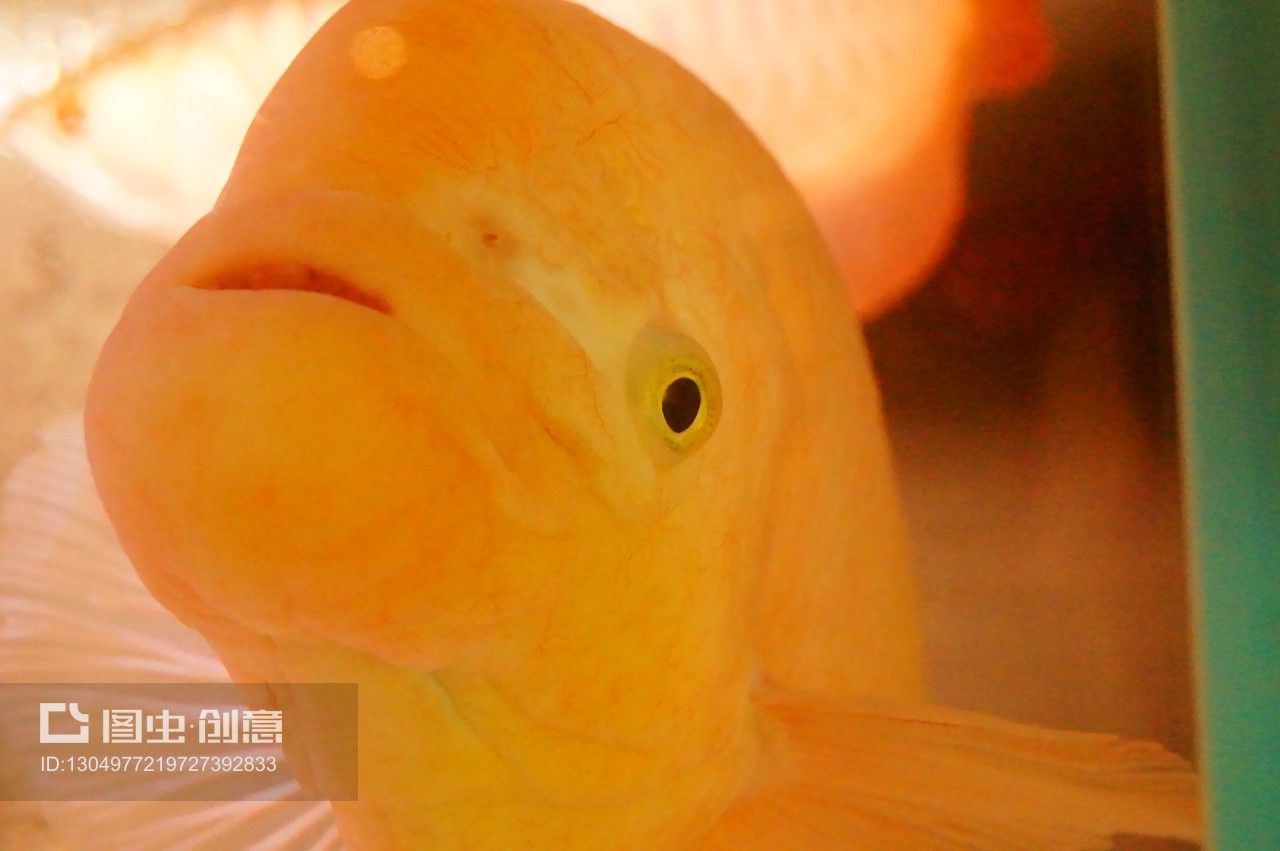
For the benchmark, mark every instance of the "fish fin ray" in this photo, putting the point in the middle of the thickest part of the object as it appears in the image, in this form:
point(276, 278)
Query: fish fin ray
point(854, 775)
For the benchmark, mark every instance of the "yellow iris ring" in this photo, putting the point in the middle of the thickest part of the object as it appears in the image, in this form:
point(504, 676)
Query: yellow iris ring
point(659, 358)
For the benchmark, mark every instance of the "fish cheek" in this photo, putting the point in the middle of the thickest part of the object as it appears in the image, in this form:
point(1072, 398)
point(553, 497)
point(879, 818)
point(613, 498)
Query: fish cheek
point(405, 565)
point(309, 483)
point(417, 577)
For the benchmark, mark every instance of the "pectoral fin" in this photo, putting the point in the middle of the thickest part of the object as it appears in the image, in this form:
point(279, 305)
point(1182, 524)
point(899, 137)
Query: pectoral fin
point(864, 777)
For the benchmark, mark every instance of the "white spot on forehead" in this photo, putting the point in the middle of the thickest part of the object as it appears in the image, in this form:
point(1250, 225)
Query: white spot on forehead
point(378, 52)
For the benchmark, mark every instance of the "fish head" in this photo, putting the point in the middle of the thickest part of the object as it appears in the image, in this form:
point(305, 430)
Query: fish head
point(483, 319)
point(507, 355)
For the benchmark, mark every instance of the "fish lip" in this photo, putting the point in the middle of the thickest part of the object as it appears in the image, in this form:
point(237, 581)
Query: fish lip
point(319, 241)
point(295, 276)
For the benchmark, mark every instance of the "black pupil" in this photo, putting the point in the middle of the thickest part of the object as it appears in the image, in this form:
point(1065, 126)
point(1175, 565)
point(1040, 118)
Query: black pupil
point(680, 404)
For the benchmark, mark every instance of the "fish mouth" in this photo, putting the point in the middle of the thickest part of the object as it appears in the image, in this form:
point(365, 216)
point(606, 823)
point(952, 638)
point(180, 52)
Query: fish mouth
point(297, 277)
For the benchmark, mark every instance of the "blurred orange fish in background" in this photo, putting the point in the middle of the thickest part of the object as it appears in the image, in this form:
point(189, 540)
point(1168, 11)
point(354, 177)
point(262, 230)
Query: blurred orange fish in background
point(139, 108)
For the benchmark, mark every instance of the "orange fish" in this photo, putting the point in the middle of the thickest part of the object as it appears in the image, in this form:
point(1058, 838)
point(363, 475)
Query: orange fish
point(864, 102)
point(509, 379)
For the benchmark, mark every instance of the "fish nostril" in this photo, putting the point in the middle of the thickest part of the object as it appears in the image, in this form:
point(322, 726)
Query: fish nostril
point(299, 277)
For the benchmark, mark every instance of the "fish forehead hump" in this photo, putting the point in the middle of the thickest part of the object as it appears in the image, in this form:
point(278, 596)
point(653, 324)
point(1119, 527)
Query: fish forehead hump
point(628, 189)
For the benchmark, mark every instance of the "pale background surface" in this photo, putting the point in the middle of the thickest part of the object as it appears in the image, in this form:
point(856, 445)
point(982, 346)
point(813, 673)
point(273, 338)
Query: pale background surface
point(1028, 389)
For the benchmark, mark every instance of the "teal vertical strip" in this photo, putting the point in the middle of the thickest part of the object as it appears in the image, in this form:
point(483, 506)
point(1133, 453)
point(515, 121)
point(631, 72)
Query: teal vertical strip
point(1222, 87)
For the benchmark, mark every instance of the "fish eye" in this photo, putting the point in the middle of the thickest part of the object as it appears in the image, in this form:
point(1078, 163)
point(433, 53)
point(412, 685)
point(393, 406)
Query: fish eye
point(674, 392)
